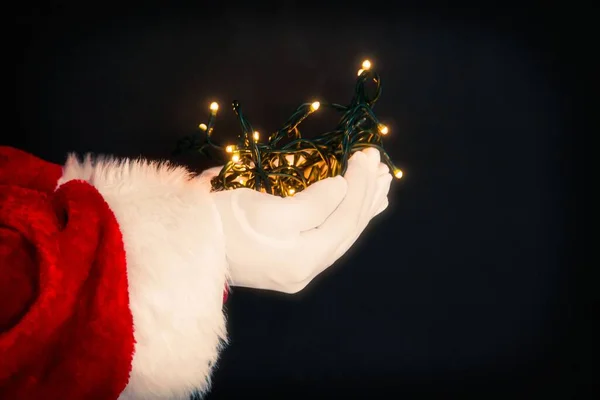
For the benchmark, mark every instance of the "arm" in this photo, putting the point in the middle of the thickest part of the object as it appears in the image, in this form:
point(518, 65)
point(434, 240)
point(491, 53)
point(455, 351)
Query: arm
point(111, 283)
point(119, 267)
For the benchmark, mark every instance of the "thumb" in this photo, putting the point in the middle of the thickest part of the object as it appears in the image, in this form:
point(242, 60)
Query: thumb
point(316, 203)
point(274, 215)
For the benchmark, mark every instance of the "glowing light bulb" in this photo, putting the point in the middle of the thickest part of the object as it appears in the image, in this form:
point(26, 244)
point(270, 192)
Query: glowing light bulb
point(229, 149)
point(203, 127)
point(366, 65)
point(383, 129)
point(256, 135)
point(235, 158)
point(315, 106)
point(398, 173)
point(360, 71)
point(291, 191)
point(241, 181)
point(214, 106)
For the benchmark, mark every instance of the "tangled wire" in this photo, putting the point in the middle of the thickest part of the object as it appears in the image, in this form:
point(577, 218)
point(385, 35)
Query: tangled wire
point(285, 167)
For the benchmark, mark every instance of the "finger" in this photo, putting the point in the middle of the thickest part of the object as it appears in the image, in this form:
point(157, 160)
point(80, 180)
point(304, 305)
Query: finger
point(383, 169)
point(379, 204)
point(361, 179)
point(319, 200)
point(382, 207)
point(373, 155)
point(274, 215)
point(311, 207)
point(383, 187)
point(372, 162)
point(377, 187)
point(342, 223)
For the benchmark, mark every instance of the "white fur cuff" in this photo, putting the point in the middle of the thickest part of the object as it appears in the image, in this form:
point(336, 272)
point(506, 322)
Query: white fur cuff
point(176, 268)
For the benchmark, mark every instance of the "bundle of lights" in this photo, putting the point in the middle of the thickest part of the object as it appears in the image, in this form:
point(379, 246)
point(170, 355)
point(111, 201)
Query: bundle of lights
point(285, 167)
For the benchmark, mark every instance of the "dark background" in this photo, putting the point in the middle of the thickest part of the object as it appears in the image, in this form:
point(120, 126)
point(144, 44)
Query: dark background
point(464, 285)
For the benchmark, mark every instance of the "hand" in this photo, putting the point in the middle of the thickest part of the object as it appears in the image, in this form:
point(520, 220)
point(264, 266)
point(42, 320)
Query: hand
point(281, 244)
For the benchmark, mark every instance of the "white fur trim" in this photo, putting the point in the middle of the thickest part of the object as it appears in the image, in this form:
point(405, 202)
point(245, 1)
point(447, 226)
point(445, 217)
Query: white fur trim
point(176, 266)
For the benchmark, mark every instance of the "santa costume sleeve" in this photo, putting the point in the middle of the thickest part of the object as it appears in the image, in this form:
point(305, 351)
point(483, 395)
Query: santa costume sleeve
point(111, 280)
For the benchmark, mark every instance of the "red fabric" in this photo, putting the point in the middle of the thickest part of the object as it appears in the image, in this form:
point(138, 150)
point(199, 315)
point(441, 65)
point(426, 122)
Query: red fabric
point(66, 330)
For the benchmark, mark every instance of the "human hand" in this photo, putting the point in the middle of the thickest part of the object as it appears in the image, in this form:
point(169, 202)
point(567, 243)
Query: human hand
point(282, 244)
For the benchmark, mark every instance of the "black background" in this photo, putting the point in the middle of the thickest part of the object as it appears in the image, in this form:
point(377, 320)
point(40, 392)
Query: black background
point(464, 285)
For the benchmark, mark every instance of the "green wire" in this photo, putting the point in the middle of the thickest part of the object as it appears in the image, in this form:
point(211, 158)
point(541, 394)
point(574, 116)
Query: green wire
point(266, 166)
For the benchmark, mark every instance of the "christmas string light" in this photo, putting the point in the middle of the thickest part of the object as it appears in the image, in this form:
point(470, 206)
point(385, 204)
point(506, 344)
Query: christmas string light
point(286, 168)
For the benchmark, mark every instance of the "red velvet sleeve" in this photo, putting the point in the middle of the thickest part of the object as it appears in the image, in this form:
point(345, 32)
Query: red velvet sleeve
point(65, 323)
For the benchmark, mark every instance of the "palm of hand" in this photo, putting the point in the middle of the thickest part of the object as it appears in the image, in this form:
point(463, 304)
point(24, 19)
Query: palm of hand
point(282, 244)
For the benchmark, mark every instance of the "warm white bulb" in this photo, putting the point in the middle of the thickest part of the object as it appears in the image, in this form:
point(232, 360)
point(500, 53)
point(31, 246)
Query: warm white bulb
point(383, 129)
point(214, 106)
point(398, 173)
point(235, 158)
point(229, 149)
point(241, 181)
point(315, 106)
point(203, 127)
point(256, 135)
point(360, 71)
point(291, 191)
point(366, 64)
